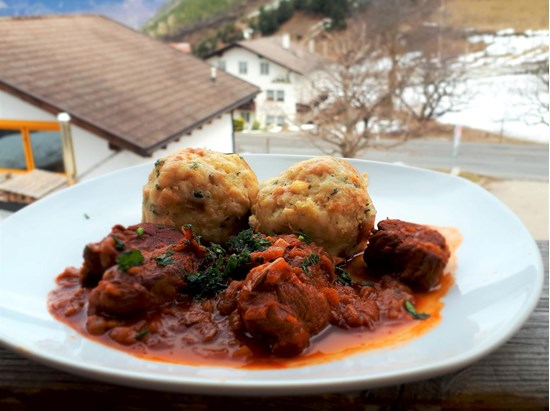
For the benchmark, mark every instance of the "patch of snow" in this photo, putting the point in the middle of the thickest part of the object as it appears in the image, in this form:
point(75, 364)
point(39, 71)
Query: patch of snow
point(504, 94)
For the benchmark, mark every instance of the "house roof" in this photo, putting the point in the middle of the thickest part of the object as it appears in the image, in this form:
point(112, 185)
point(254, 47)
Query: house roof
point(135, 91)
point(294, 57)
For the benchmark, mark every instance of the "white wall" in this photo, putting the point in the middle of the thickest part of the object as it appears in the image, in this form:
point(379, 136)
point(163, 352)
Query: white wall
point(93, 155)
point(279, 78)
point(214, 136)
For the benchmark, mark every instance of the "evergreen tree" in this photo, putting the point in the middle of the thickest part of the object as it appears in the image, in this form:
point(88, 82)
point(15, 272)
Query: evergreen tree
point(285, 11)
point(267, 21)
point(337, 10)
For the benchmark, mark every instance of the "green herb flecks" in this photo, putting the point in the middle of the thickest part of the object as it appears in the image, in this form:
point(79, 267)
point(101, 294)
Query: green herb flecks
point(343, 276)
point(412, 311)
point(140, 231)
point(223, 263)
point(311, 259)
point(165, 259)
point(119, 245)
point(303, 237)
point(246, 240)
point(86, 216)
point(129, 259)
point(141, 333)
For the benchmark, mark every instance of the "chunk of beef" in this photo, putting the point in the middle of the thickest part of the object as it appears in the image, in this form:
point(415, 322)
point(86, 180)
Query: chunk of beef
point(414, 253)
point(365, 306)
point(100, 256)
point(277, 307)
point(316, 265)
point(157, 280)
point(348, 308)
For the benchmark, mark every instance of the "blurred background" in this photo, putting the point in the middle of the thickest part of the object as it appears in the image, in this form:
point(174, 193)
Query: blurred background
point(458, 86)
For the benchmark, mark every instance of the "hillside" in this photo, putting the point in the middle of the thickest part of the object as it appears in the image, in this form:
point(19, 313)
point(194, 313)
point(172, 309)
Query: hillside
point(181, 19)
point(195, 20)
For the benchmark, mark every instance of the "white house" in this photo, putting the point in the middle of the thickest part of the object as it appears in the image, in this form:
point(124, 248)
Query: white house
point(131, 98)
point(283, 71)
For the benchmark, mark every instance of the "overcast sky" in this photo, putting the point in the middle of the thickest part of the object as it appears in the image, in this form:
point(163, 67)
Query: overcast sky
point(130, 12)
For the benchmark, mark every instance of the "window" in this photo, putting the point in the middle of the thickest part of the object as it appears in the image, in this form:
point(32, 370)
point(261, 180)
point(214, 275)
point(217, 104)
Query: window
point(246, 116)
point(12, 150)
point(221, 64)
point(264, 68)
point(280, 95)
point(243, 67)
point(47, 151)
point(270, 95)
point(269, 120)
point(26, 145)
point(281, 120)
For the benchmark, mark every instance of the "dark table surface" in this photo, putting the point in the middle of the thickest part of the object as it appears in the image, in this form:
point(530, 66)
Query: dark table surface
point(514, 377)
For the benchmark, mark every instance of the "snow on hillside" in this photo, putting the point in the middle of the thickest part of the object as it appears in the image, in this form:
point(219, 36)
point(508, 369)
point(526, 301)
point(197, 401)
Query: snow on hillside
point(504, 96)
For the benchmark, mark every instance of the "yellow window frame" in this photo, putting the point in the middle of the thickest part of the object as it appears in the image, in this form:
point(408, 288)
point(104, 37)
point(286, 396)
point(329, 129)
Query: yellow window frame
point(25, 127)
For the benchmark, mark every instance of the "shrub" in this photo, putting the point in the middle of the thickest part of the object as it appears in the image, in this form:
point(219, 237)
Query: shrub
point(238, 124)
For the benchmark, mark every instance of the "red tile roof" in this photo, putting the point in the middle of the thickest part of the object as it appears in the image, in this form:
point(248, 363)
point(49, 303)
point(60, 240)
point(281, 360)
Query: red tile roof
point(135, 91)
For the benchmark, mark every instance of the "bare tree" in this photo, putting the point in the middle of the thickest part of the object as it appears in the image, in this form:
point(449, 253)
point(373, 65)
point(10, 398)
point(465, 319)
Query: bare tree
point(431, 85)
point(393, 73)
point(351, 90)
point(535, 94)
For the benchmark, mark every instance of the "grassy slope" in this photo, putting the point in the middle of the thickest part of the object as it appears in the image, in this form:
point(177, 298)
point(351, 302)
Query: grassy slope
point(186, 12)
point(494, 15)
point(483, 15)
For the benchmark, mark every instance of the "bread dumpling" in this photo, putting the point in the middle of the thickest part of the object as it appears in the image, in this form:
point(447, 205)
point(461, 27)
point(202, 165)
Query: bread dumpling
point(211, 191)
point(324, 198)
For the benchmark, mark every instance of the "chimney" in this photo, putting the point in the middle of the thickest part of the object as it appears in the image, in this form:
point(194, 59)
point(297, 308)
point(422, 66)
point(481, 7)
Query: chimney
point(213, 74)
point(311, 45)
point(285, 41)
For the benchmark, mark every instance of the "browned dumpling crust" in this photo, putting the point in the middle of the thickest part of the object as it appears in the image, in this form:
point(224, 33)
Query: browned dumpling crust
point(211, 191)
point(324, 198)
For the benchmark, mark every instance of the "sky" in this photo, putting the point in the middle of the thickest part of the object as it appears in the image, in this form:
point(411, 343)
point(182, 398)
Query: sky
point(133, 13)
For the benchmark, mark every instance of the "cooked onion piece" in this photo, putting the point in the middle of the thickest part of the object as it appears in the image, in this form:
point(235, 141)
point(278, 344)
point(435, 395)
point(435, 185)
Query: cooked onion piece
point(209, 190)
point(325, 198)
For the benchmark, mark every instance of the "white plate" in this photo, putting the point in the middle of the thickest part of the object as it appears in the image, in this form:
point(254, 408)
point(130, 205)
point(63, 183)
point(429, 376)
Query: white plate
point(498, 283)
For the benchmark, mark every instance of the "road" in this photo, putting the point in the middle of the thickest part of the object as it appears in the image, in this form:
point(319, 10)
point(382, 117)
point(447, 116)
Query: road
point(506, 161)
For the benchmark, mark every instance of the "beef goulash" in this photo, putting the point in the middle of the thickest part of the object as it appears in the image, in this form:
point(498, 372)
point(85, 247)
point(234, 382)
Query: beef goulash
point(264, 294)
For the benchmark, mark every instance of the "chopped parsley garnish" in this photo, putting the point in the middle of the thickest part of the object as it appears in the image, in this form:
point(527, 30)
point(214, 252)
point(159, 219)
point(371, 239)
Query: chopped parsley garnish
point(165, 259)
point(129, 259)
point(412, 311)
point(303, 237)
point(223, 263)
point(343, 276)
point(140, 231)
point(309, 260)
point(247, 240)
point(86, 216)
point(142, 333)
point(119, 245)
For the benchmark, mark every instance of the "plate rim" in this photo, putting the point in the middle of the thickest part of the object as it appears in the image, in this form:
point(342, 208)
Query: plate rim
point(302, 386)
